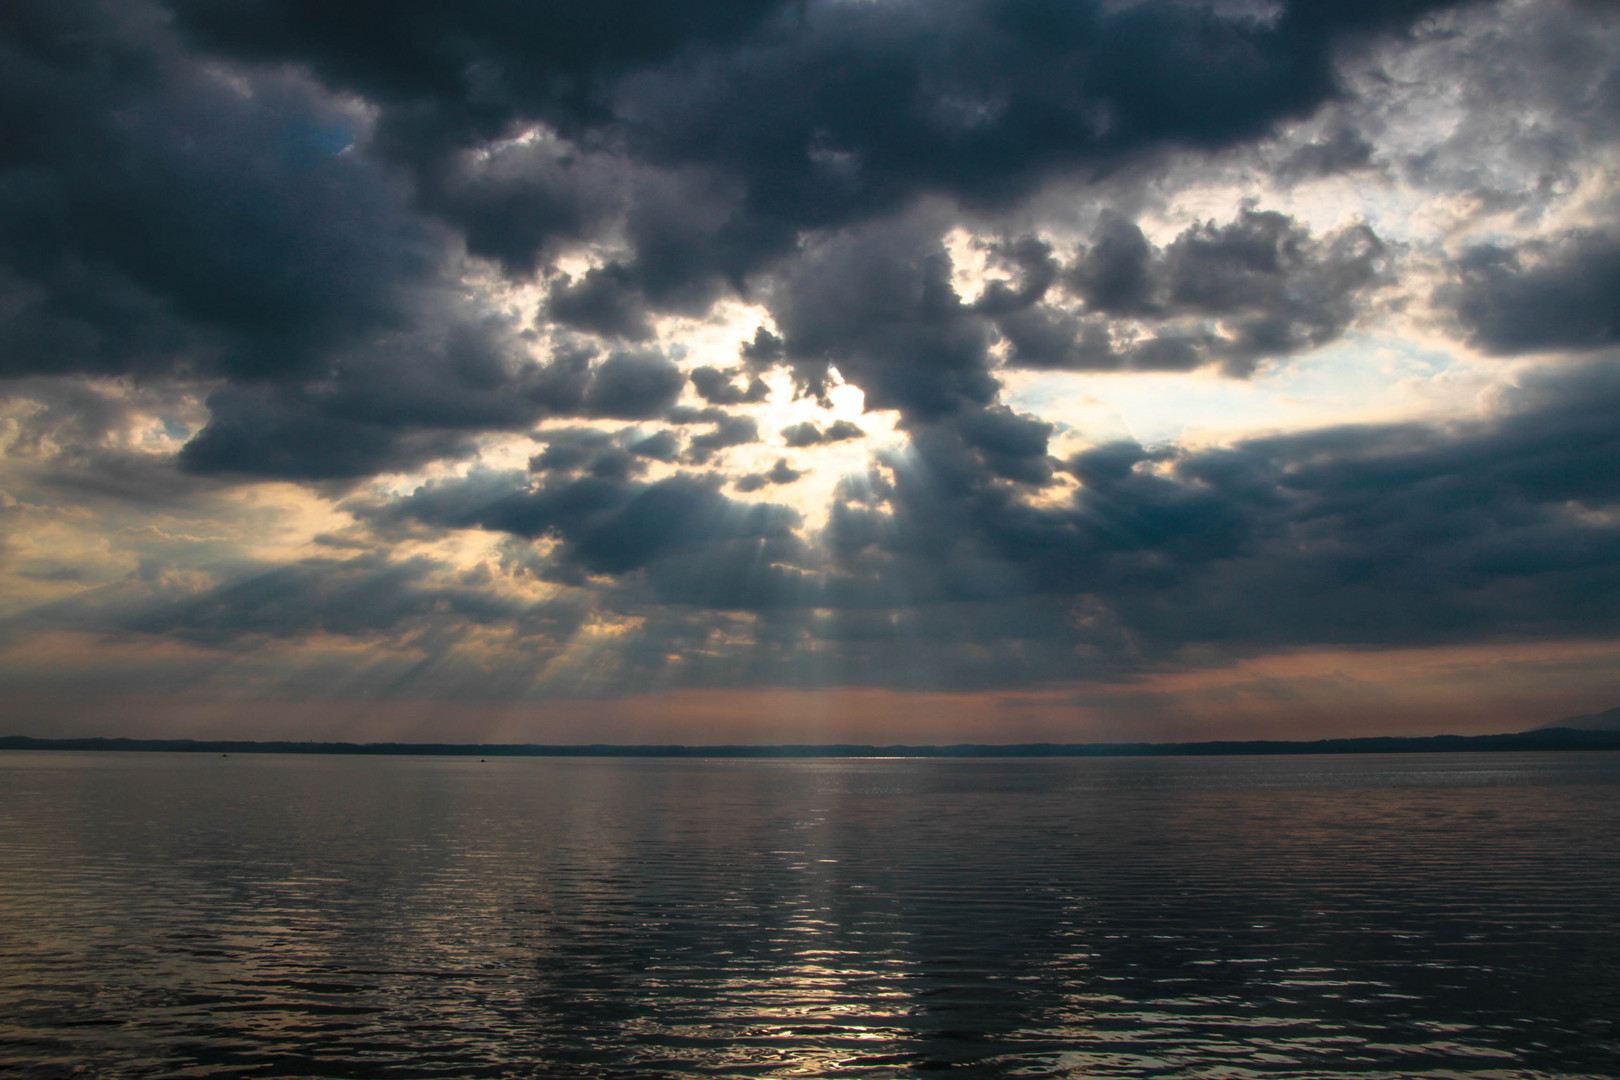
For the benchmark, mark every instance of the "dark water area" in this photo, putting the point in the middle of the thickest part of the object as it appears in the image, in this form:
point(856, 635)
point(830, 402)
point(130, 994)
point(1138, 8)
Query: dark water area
point(174, 915)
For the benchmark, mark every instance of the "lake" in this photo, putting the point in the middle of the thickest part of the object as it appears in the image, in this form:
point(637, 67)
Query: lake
point(192, 915)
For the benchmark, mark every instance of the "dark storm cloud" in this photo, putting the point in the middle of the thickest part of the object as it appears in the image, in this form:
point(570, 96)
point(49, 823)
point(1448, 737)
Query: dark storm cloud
point(416, 603)
point(939, 571)
point(633, 386)
point(387, 409)
point(500, 501)
point(172, 218)
point(1274, 288)
point(607, 526)
point(1399, 534)
point(460, 73)
point(158, 215)
point(1279, 289)
point(1036, 270)
point(764, 350)
point(1375, 535)
point(761, 115)
point(175, 218)
point(880, 306)
point(569, 448)
point(302, 212)
point(597, 453)
point(1048, 337)
point(601, 302)
point(984, 100)
point(1116, 273)
point(264, 431)
point(1562, 293)
point(671, 516)
point(1011, 445)
point(276, 196)
point(522, 202)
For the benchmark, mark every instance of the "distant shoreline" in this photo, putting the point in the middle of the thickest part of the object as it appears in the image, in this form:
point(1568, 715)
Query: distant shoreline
point(1546, 739)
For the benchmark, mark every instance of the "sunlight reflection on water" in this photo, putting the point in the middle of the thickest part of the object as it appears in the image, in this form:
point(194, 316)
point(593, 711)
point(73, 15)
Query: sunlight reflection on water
point(267, 916)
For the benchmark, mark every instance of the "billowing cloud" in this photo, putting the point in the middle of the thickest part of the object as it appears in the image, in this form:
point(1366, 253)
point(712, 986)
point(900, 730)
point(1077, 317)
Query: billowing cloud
point(762, 112)
point(880, 305)
point(600, 302)
point(1259, 287)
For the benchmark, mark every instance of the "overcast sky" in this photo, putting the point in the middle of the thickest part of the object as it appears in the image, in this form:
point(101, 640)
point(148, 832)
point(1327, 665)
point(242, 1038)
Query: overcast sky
point(830, 370)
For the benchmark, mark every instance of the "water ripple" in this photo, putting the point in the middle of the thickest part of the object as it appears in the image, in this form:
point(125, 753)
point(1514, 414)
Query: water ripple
point(1424, 916)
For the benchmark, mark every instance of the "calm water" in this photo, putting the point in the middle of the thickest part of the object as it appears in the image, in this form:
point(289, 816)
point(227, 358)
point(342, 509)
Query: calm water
point(258, 916)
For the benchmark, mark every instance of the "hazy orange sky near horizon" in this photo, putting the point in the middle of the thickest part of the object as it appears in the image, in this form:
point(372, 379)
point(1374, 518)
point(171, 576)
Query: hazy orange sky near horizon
point(1452, 690)
point(964, 371)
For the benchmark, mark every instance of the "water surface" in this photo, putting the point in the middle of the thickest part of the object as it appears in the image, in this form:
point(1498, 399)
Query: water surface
point(186, 915)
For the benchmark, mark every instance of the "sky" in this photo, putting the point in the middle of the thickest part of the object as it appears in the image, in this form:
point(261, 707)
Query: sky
point(874, 371)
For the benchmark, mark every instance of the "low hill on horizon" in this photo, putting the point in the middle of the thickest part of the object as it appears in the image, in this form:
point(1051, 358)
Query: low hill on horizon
point(1607, 720)
point(1551, 738)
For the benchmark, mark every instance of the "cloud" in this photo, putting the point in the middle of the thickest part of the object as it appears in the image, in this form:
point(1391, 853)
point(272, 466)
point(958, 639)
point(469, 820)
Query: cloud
point(1557, 293)
point(1115, 275)
point(403, 403)
point(568, 449)
point(1529, 103)
point(358, 246)
point(1012, 446)
point(669, 516)
point(259, 431)
point(1399, 534)
point(608, 526)
point(880, 306)
point(659, 446)
point(729, 431)
point(522, 202)
point(265, 196)
point(806, 433)
point(939, 570)
point(378, 414)
point(1259, 287)
point(597, 453)
point(759, 114)
point(764, 350)
point(1341, 150)
point(780, 473)
point(716, 387)
point(633, 386)
point(163, 216)
point(601, 302)
point(1036, 269)
point(357, 597)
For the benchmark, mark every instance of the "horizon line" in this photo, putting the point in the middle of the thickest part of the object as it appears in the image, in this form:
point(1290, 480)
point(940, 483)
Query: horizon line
point(1540, 739)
